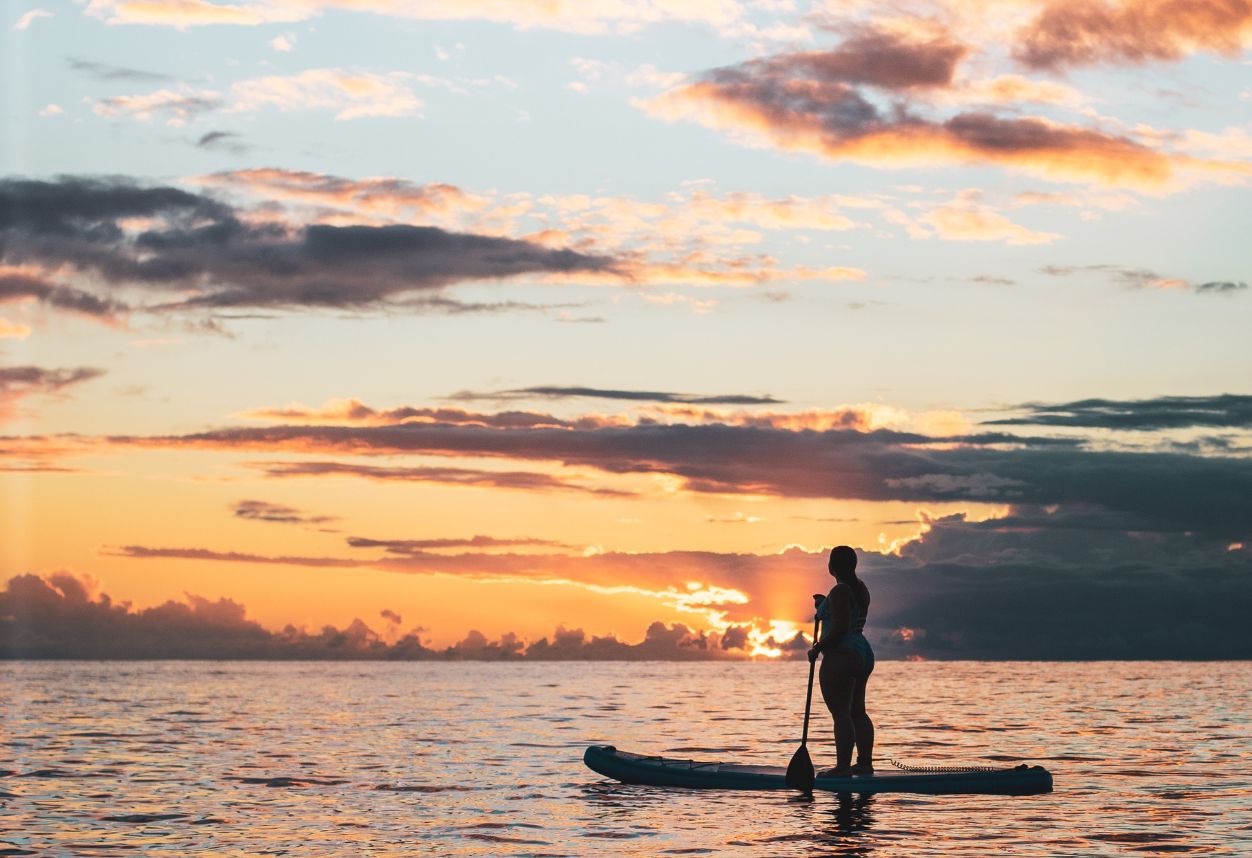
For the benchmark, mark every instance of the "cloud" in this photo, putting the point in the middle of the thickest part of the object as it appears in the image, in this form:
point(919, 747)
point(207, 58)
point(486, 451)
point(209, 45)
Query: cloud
point(1221, 286)
point(13, 330)
point(448, 476)
point(575, 392)
point(107, 71)
point(255, 510)
point(59, 617)
point(1204, 493)
point(586, 16)
point(966, 219)
point(168, 240)
point(144, 552)
point(177, 106)
point(1143, 278)
point(16, 285)
point(823, 103)
point(1131, 32)
point(1227, 411)
point(51, 109)
point(353, 411)
point(417, 546)
point(691, 237)
point(874, 58)
point(24, 22)
point(19, 382)
point(961, 589)
point(393, 198)
point(350, 94)
point(222, 141)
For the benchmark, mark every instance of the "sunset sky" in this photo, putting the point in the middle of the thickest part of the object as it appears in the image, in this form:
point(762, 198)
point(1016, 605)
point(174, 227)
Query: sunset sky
point(511, 315)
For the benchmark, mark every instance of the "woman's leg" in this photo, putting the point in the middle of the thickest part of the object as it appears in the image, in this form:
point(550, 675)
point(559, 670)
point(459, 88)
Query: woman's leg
point(863, 725)
point(838, 684)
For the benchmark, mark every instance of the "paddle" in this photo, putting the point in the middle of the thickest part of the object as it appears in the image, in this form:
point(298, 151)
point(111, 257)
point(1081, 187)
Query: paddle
point(800, 770)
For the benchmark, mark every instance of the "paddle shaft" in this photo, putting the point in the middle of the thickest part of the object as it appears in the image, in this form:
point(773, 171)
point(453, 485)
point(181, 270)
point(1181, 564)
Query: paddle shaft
point(808, 700)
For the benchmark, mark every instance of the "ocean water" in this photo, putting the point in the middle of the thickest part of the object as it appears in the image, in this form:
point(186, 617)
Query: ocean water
point(475, 759)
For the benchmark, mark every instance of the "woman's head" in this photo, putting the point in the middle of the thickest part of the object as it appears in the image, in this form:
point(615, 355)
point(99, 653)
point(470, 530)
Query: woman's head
point(842, 562)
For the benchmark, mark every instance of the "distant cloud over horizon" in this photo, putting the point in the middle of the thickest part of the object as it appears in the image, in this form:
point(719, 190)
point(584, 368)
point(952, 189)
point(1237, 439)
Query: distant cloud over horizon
point(57, 617)
point(1033, 584)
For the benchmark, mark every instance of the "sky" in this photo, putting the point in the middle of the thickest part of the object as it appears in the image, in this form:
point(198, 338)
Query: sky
point(365, 328)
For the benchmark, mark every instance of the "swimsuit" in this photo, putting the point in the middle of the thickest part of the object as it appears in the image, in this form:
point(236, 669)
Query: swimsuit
point(854, 640)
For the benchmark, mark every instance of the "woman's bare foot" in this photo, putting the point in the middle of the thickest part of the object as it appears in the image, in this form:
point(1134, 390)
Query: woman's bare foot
point(863, 769)
point(836, 772)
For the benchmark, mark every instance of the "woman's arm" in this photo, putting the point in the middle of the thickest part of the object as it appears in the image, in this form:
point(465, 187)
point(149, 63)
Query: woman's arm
point(837, 620)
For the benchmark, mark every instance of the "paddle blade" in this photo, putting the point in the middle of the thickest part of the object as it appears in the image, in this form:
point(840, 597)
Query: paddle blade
point(800, 770)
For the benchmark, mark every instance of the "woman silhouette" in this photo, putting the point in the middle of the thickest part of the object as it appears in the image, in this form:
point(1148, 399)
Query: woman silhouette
point(847, 664)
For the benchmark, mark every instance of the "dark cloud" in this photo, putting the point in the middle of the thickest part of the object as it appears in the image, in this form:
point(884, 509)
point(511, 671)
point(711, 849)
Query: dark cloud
point(144, 552)
point(872, 58)
point(417, 546)
point(1070, 582)
point(577, 392)
point(1205, 493)
point(523, 480)
point(1142, 278)
point(106, 71)
point(57, 617)
point(204, 255)
point(440, 304)
point(1162, 412)
point(15, 286)
point(255, 510)
point(19, 382)
point(222, 141)
point(1083, 32)
point(735, 637)
point(1221, 286)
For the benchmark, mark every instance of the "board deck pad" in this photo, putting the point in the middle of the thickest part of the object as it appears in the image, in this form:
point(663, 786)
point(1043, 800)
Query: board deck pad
point(672, 772)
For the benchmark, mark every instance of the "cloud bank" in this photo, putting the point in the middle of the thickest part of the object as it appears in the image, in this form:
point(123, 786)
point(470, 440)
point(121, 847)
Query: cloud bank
point(197, 252)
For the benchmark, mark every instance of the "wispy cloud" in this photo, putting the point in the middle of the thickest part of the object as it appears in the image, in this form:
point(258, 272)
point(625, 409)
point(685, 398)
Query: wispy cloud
point(20, 382)
point(1229, 411)
point(1144, 278)
point(449, 476)
point(28, 18)
point(257, 510)
point(348, 94)
point(108, 71)
point(586, 16)
point(578, 392)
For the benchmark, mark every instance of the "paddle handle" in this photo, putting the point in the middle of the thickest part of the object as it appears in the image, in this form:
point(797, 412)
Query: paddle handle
point(808, 700)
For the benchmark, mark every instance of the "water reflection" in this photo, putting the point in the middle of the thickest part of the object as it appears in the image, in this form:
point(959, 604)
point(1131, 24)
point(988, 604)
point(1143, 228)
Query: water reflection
point(485, 760)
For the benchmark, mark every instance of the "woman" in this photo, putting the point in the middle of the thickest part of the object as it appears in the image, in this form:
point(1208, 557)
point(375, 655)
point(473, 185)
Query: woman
point(847, 664)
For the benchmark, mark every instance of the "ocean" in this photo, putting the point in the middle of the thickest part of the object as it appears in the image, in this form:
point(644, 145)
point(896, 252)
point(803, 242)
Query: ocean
point(484, 759)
